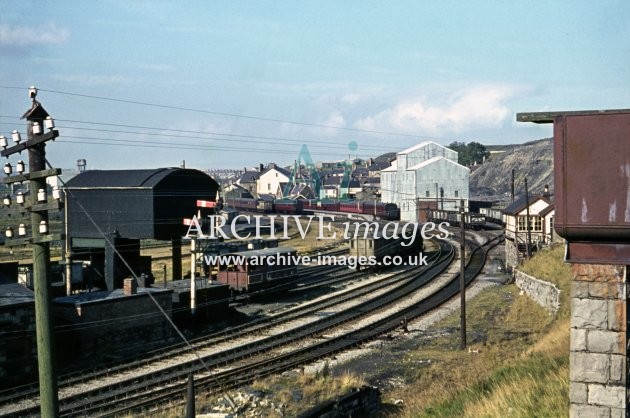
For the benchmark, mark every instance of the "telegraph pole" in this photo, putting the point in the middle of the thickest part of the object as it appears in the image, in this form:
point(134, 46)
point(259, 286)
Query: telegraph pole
point(37, 121)
point(462, 278)
point(67, 248)
point(512, 190)
point(527, 225)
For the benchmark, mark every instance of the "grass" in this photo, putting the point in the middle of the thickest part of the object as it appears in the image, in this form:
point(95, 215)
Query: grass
point(312, 388)
point(521, 369)
point(289, 393)
point(519, 366)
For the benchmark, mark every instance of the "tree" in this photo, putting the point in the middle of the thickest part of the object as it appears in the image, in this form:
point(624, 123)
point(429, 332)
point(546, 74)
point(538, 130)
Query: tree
point(471, 153)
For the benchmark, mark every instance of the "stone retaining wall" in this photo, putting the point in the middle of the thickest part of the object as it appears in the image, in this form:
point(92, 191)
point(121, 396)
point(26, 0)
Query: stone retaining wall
point(361, 402)
point(543, 293)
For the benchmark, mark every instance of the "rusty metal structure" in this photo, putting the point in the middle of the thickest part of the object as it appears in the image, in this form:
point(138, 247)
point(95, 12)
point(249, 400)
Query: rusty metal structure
point(592, 178)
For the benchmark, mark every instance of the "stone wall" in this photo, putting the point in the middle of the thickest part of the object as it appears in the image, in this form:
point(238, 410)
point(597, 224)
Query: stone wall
point(598, 359)
point(511, 254)
point(362, 402)
point(543, 293)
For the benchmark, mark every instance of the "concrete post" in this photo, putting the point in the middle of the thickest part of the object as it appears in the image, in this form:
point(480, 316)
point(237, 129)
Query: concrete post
point(599, 341)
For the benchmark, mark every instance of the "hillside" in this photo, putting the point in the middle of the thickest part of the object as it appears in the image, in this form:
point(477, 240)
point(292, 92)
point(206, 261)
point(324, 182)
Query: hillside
point(533, 160)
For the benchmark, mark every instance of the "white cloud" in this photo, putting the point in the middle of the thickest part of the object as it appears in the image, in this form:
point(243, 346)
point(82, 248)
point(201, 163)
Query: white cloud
point(93, 79)
point(478, 107)
point(351, 98)
point(335, 119)
point(23, 36)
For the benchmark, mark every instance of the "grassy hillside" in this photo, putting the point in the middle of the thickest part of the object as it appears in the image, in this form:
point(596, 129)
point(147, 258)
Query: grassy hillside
point(522, 367)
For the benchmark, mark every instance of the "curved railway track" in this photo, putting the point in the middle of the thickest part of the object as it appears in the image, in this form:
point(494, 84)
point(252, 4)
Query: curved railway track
point(242, 375)
point(252, 327)
point(168, 381)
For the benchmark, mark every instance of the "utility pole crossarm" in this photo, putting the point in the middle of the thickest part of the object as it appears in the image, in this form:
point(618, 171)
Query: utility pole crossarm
point(33, 175)
point(40, 139)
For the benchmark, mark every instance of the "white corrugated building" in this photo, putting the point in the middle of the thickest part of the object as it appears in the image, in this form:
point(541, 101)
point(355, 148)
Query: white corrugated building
point(419, 173)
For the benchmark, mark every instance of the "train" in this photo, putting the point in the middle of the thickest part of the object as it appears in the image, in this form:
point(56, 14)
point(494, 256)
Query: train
point(250, 205)
point(259, 270)
point(376, 249)
point(471, 220)
point(385, 211)
point(493, 215)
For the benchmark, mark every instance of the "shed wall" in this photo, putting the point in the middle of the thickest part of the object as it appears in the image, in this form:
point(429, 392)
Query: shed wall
point(128, 211)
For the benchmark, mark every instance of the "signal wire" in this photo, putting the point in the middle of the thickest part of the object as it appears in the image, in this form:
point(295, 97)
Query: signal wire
point(135, 276)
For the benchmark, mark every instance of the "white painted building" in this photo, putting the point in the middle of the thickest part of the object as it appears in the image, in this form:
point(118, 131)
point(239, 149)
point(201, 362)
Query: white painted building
point(424, 171)
point(540, 229)
point(272, 180)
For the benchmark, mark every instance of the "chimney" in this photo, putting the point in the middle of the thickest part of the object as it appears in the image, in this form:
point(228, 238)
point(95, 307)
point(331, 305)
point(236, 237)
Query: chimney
point(130, 287)
point(261, 167)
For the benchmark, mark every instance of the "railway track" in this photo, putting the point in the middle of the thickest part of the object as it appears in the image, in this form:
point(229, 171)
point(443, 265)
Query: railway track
point(22, 392)
point(136, 392)
point(232, 333)
point(241, 375)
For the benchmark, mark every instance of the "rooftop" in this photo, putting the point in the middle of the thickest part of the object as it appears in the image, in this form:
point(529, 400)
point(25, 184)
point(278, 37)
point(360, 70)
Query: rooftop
point(147, 178)
point(15, 294)
point(548, 117)
point(432, 161)
point(521, 203)
point(103, 295)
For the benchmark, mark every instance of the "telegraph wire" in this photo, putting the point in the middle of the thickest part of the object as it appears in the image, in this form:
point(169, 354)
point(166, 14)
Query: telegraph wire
point(309, 142)
point(227, 114)
point(135, 277)
point(232, 115)
point(271, 138)
point(183, 147)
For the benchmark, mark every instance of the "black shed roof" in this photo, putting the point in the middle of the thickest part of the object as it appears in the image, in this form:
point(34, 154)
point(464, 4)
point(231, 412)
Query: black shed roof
point(95, 179)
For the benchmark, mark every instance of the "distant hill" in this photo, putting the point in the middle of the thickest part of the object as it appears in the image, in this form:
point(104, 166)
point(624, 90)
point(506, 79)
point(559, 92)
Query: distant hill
point(385, 158)
point(532, 160)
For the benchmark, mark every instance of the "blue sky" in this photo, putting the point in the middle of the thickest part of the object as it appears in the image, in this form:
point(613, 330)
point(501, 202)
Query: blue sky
point(260, 78)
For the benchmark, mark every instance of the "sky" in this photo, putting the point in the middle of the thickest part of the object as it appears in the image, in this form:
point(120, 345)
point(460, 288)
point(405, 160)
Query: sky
point(229, 84)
